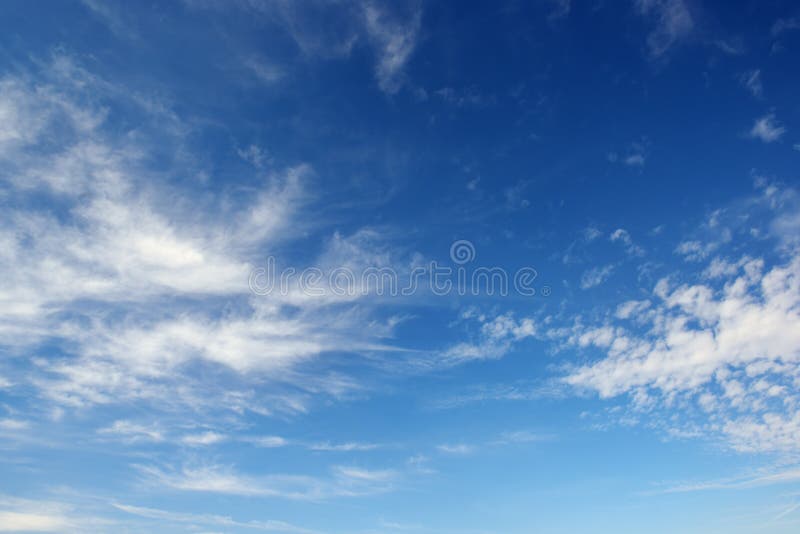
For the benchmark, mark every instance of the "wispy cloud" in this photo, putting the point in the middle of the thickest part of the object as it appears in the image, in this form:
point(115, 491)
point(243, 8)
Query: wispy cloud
point(210, 520)
point(751, 80)
point(767, 129)
point(343, 481)
point(596, 276)
point(131, 431)
point(672, 20)
point(784, 476)
point(457, 448)
point(395, 40)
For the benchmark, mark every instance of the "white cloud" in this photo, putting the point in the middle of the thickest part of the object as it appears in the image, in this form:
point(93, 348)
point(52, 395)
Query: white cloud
point(263, 71)
point(395, 41)
point(767, 129)
point(210, 519)
point(132, 431)
point(342, 447)
point(13, 424)
point(783, 25)
point(458, 448)
point(731, 347)
point(560, 9)
point(32, 522)
point(672, 21)
point(620, 235)
point(202, 439)
point(634, 156)
point(495, 339)
point(754, 480)
point(695, 250)
point(596, 276)
point(135, 278)
point(28, 515)
point(631, 308)
point(751, 80)
point(518, 437)
point(343, 481)
point(268, 442)
point(634, 160)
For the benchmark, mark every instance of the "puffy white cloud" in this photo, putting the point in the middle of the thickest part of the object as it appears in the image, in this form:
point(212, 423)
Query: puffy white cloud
point(733, 349)
point(495, 339)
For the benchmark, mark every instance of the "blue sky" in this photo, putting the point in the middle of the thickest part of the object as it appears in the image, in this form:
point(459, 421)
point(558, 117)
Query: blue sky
point(628, 168)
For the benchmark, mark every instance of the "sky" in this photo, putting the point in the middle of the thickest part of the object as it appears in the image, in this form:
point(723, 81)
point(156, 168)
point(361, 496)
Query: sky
point(363, 267)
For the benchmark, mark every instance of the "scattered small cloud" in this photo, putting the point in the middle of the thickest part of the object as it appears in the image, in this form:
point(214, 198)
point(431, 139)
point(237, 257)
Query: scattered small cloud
point(767, 129)
point(751, 80)
point(343, 447)
point(620, 235)
point(784, 25)
point(559, 9)
point(131, 431)
point(596, 276)
point(458, 449)
point(203, 439)
point(264, 71)
point(672, 22)
point(395, 39)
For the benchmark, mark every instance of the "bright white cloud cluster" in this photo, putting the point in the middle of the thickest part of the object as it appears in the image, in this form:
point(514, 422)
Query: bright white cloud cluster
point(728, 347)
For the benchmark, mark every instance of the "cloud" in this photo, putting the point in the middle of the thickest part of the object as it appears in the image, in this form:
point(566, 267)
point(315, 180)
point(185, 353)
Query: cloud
point(784, 25)
point(767, 129)
point(560, 9)
point(210, 520)
point(343, 481)
point(140, 281)
point(27, 515)
point(113, 16)
point(519, 436)
point(672, 21)
point(596, 276)
point(331, 30)
point(203, 439)
point(268, 442)
point(783, 476)
point(635, 155)
point(132, 431)
point(458, 448)
point(264, 71)
point(751, 80)
point(342, 447)
point(631, 308)
point(694, 250)
point(729, 349)
point(394, 41)
point(32, 522)
point(620, 235)
point(495, 339)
